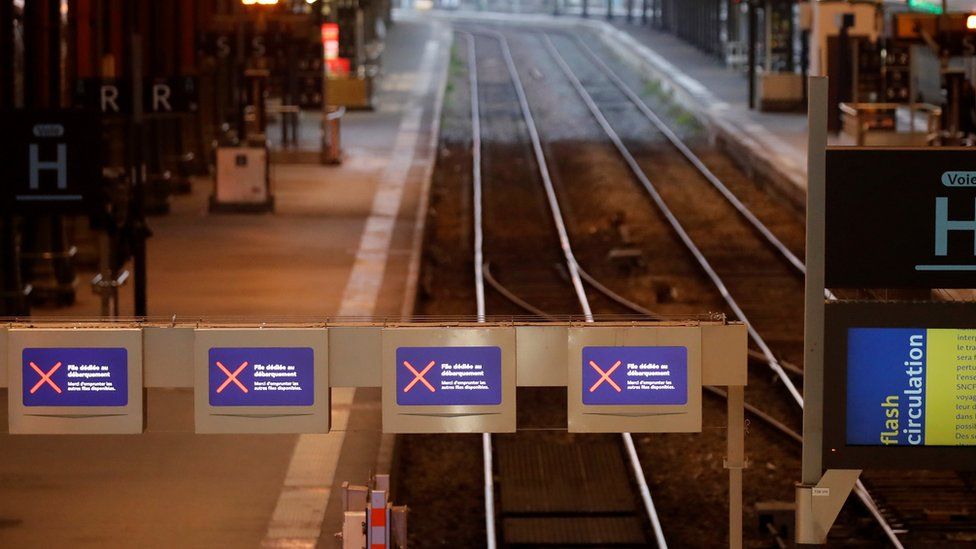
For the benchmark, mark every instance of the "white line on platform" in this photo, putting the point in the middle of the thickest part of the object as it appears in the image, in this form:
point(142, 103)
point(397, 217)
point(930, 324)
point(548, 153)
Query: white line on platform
point(300, 511)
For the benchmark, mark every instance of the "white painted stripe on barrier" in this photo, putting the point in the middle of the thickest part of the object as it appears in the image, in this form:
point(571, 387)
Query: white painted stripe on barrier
point(300, 511)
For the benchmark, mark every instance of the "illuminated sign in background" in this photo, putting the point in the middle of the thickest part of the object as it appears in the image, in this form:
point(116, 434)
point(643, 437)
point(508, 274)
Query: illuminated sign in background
point(911, 387)
point(449, 376)
point(935, 6)
point(635, 376)
point(75, 377)
point(261, 376)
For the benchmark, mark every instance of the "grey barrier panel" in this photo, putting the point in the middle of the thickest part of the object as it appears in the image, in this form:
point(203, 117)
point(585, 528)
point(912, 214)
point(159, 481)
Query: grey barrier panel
point(274, 380)
point(617, 408)
point(75, 381)
point(356, 355)
point(541, 354)
point(4, 336)
point(442, 404)
point(168, 356)
point(725, 355)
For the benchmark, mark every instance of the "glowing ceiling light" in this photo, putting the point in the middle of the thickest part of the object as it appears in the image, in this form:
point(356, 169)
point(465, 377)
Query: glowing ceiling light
point(971, 22)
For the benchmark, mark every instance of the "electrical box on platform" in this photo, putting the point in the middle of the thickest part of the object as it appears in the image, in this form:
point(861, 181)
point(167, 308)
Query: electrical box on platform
point(243, 182)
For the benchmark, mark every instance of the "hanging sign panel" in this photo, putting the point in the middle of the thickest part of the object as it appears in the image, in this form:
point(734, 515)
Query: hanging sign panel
point(449, 380)
point(901, 384)
point(635, 376)
point(635, 379)
point(75, 381)
point(64, 376)
point(449, 376)
point(262, 381)
point(900, 218)
point(261, 376)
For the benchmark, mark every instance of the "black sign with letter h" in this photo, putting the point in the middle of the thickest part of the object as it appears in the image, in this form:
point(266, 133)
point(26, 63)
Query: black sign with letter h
point(52, 161)
point(901, 218)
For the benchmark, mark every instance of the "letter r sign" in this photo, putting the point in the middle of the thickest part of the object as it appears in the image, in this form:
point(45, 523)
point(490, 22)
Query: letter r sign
point(53, 161)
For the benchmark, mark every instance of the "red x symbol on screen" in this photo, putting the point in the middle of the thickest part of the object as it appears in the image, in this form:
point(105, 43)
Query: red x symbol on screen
point(231, 377)
point(45, 378)
point(605, 376)
point(418, 376)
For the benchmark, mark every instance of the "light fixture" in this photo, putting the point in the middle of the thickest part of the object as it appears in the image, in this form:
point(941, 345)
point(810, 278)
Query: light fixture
point(971, 22)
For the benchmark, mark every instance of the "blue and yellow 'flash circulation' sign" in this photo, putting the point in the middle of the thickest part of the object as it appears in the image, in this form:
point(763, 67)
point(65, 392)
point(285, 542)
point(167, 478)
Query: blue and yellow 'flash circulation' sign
point(911, 387)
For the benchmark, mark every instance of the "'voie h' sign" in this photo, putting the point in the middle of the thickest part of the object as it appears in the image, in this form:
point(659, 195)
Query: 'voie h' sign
point(901, 218)
point(51, 160)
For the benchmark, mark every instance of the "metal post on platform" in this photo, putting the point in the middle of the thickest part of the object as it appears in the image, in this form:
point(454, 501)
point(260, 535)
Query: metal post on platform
point(6, 54)
point(815, 281)
point(13, 301)
point(819, 496)
point(643, 12)
point(753, 30)
point(586, 8)
point(735, 461)
point(138, 214)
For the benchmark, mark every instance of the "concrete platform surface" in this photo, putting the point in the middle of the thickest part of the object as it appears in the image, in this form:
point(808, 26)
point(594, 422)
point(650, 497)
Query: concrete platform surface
point(340, 242)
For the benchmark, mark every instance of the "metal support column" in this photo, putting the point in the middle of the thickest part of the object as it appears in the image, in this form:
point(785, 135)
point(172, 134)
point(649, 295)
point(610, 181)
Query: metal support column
point(819, 497)
point(735, 461)
point(813, 332)
point(6, 54)
point(138, 215)
point(753, 24)
point(13, 301)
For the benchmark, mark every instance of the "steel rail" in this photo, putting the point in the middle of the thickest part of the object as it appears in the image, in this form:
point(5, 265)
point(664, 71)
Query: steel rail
point(671, 218)
point(571, 263)
point(514, 299)
point(540, 157)
point(573, 267)
point(693, 159)
point(479, 273)
point(860, 490)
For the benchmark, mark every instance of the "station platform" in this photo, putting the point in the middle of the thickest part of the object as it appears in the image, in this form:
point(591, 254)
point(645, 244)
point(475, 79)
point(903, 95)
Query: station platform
point(343, 240)
point(770, 144)
point(775, 143)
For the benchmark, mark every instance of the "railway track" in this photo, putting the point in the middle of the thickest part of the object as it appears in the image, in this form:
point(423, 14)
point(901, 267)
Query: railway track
point(546, 489)
point(776, 288)
point(907, 503)
point(684, 183)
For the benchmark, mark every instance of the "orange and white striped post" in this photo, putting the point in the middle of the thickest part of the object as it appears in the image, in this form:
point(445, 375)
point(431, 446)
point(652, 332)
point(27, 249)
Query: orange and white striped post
point(377, 521)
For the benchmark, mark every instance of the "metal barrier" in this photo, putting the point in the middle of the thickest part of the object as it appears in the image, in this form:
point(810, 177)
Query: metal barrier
point(89, 376)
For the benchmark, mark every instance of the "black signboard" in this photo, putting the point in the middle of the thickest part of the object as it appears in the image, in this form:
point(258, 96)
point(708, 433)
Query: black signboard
point(52, 160)
point(901, 218)
point(159, 95)
point(900, 385)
